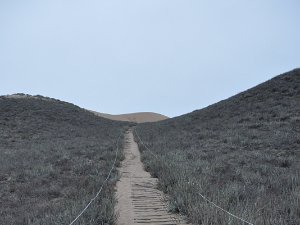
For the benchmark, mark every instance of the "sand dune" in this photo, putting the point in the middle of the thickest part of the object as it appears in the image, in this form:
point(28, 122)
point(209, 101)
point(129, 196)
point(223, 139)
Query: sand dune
point(141, 117)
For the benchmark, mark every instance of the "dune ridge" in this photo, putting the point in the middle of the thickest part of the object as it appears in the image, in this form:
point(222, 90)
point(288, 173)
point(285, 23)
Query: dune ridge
point(139, 117)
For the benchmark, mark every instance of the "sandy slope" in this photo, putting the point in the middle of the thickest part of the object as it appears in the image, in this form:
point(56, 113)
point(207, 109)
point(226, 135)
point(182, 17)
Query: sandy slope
point(140, 117)
point(139, 201)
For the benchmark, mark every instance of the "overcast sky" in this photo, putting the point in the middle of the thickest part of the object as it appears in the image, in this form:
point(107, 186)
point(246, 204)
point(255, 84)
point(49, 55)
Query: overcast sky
point(166, 56)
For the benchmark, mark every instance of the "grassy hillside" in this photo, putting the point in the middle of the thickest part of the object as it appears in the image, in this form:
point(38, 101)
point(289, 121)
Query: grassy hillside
point(242, 153)
point(54, 156)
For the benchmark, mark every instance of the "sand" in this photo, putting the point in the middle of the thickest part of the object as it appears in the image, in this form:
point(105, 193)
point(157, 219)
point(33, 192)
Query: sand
point(139, 200)
point(141, 117)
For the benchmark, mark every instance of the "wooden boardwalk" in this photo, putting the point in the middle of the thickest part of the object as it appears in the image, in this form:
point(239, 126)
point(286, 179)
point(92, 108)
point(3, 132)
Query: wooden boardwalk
point(139, 200)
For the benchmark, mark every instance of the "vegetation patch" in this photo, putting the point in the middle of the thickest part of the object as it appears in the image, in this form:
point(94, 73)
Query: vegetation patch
point(241, 153)
point(54, 157)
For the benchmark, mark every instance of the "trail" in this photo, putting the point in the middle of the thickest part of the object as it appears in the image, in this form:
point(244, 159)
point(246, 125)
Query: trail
point(139, 200)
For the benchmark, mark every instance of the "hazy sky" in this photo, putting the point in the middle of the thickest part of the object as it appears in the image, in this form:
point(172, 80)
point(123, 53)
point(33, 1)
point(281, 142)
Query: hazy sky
point(166, 56)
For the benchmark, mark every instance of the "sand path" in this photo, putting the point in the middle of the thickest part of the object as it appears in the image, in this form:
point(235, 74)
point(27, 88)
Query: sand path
point(139, 201)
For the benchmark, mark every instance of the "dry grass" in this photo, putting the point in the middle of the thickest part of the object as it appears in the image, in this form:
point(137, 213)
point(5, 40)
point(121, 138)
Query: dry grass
point(242, 153)
point(53, 158)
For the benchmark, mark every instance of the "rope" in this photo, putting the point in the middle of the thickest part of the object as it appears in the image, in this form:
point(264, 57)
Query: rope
point(99, 191)
point(145, 145)
point(205, 198)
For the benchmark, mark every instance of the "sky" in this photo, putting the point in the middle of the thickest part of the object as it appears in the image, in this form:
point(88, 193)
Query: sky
point(164, 56)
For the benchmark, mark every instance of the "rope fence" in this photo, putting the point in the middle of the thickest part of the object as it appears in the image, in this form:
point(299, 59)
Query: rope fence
point(99, 191)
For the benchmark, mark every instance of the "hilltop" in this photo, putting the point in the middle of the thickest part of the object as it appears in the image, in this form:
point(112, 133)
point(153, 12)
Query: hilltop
point(242, 153)
point(140, 117)
point(53, 157)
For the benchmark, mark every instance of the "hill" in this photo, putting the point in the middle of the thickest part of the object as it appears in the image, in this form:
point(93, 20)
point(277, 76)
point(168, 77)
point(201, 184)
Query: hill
point(242, 153)
point(53, 158)
point(141, 117)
